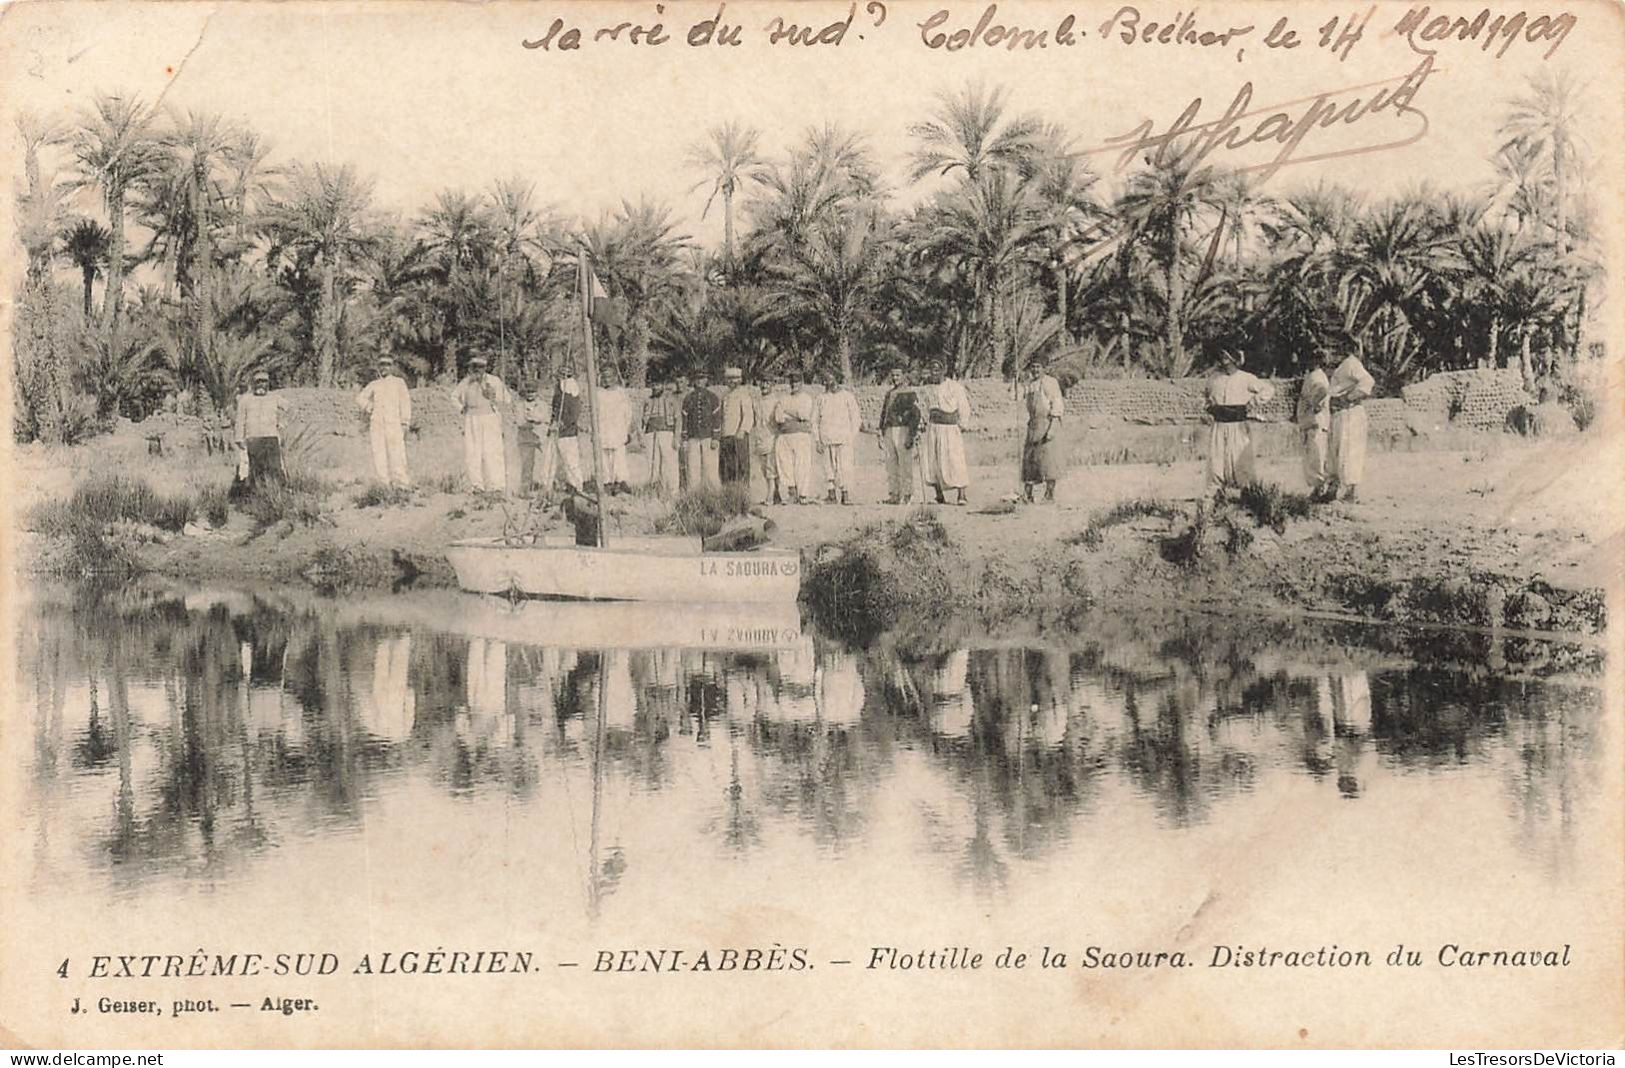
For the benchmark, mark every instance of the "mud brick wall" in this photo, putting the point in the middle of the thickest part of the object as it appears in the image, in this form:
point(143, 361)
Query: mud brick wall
point(1479, 399)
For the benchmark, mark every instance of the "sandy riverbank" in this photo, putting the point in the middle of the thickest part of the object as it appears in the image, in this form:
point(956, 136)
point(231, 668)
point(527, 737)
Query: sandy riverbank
point(1484, 529)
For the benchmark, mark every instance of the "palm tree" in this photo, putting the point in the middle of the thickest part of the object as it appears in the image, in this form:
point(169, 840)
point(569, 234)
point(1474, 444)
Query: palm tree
point(988, 230)
point(325, 218)
point(1071, 217)
point(829, 171)
point(638, 254)
point(194, 150)
point(527, 239)
point(1546, 122)
point(40, 203)
point(834, 273)
point(1393, 272)
point(86, 246)
point(113, 150)
point(251, 181)
point(969, 132)
point(119, 367)
point(727, 156)
point(459, 241)
point(1161, 203)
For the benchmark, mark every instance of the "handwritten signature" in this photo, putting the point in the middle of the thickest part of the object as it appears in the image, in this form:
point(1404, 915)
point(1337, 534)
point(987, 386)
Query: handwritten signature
point(1289, 125)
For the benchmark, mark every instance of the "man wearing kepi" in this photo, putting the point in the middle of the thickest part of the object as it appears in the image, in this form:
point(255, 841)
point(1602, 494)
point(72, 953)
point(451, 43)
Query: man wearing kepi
point(388, 406)
point(738, 420)
point(1349, 386)
point(947, 412)
point(660, 425)
point(795, 415)
point(899, 423)
point(702, 423)
point(479, 396)
point(1314, 419)
point(839, 423)
point(259, 434)
point(1041, 452)
point(1230, 445)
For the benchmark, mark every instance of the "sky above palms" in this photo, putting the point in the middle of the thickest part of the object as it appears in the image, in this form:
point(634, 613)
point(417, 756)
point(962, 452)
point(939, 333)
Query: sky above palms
point(421, 97)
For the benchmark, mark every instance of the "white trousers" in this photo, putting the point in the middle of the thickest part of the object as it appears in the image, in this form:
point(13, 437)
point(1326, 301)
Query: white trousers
point(482, 451)
point(838, 461)
point(1230, 455)
point(389, 452)
point(946, 451)
point(794, 453)
point(560, 454)
point(615, 469)
point(1316, 441)
point(1347, 458)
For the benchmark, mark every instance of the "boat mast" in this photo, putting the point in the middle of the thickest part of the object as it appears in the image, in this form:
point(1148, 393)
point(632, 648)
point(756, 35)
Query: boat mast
point(584, 278)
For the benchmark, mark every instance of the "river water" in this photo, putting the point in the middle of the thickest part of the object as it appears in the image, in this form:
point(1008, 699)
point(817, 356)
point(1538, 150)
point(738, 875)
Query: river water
point(357, 775)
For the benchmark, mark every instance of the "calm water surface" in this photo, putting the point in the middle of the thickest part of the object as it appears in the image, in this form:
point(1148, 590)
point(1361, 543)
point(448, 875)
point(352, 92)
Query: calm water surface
point(191, 746)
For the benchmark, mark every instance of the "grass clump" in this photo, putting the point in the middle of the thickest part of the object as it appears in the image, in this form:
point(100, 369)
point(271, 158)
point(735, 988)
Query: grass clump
point(1127, 511)
point(1273, 507)
point(295, 499)
point(105, 499)
point(862, 586)
point(701, 513)
point(383, 495)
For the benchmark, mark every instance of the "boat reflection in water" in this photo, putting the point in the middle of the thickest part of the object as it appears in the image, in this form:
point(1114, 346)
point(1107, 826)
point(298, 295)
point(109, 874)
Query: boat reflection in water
point(218, 738)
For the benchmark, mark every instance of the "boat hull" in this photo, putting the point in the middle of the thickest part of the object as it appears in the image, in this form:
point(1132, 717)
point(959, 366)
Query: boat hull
point(634, 573)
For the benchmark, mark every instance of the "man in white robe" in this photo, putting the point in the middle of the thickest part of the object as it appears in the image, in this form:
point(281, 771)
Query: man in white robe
point(1350, 385)
point(480, 397)
point(615, 431)
point(1314, 419)
point(947, 413)
point(839, 423)
point(388, 406)
point(795, 415)
point(1230, 445)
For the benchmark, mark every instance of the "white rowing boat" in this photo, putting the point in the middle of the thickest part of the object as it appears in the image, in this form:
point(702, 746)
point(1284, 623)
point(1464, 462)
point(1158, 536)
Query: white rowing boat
point(672, 570)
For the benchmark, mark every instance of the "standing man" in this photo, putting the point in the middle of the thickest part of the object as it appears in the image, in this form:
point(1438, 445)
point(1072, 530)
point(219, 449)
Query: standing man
point(480, 396)
point(1349, 387)
point(561, 454)
point(1041, 452)
point(794, 415)
point(533, 436)
point(1230, 445)
point(839, 423)
point(900, 418)
point(259, 434)
point(947, 413)
point(615, 429)
point(1314, 419)
point(388, 406)
point(738, 421)
point(767, 437)
point(702, 424)
point(660, 424)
